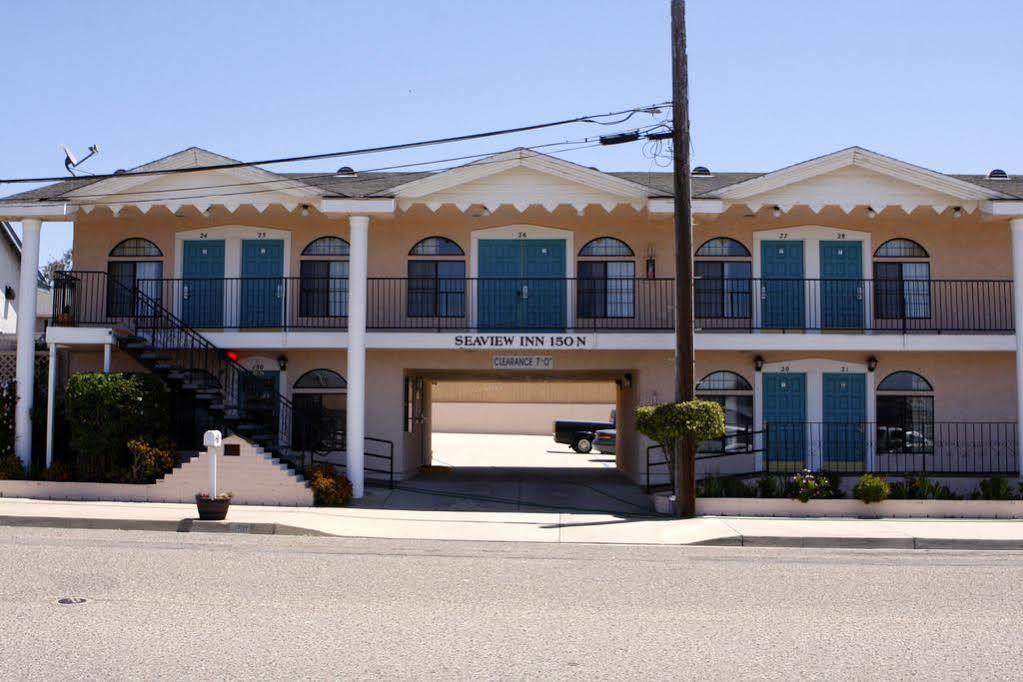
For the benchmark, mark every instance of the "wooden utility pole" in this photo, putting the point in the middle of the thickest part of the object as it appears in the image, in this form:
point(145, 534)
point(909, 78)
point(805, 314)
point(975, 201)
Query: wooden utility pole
point(685, 361)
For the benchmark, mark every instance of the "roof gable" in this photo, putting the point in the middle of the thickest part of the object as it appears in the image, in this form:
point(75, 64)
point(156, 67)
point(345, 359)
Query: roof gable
point(855, 176)
point(229, 186)
point(521, 178)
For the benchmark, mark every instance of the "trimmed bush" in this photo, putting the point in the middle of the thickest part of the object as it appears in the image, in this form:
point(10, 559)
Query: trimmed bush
point(871, 488)
point(104, 412)
point(149, 462)
point(58, 471)
point(920, 488)
point(8, 398)
point(330, 489)
point(994, 488)
point(669, 423)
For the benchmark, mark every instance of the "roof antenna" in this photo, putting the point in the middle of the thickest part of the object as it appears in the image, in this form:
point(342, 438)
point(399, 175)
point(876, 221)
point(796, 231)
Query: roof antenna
point(70, 162)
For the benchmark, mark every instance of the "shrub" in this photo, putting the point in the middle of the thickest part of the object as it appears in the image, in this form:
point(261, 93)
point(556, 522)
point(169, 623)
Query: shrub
point(724, 486)
point(809, 485)
point(871, 488)
point(330, 489)
point(920, 488)
point(771, 486)
point(104, 412)
point(149, 462)
point(58, 471)
point(994, 488)
point(11, 468)
point(667, 424)
point(8, 398)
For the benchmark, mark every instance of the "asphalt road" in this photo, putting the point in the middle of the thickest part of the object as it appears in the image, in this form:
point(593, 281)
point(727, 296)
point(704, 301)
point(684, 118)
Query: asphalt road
point(200, 606)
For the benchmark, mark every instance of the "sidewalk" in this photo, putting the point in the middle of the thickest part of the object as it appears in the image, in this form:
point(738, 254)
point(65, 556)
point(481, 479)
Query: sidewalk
point(526, 527)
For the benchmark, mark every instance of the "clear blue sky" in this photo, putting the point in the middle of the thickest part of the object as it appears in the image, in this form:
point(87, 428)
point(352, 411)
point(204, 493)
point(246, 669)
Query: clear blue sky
point(933, 82)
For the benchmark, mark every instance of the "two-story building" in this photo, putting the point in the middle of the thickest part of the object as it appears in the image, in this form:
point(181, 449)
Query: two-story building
point(854, 312)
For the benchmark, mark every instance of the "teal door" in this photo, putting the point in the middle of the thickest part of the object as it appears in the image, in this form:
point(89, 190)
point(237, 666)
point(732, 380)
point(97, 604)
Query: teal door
point(784, 395)
point(521, 284)
point(844, 433)
point(841, 285)
point(782, 286)
point(262, 284)
point(202, 286)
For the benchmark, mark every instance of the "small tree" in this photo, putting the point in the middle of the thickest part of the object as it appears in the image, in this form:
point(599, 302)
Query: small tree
point(61, 263)
point(671, 423)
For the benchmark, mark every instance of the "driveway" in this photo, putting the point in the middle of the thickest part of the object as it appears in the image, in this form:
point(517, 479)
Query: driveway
point(514, 473)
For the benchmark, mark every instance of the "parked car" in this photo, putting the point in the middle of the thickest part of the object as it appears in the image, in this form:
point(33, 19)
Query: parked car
point(578, 433)
point(604, 441)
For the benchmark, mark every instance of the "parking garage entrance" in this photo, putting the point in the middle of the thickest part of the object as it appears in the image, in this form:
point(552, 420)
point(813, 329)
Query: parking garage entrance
point(486, 441)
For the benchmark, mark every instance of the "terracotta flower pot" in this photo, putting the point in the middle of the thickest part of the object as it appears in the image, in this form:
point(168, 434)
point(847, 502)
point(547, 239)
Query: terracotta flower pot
point(212, 509)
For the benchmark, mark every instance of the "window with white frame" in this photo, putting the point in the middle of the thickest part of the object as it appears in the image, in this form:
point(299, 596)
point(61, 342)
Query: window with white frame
point(724, 272)
point(905, 414)
point(323, 284)
point(134, 278)
point(902, 286)
point(735, 396)
point(606, 276)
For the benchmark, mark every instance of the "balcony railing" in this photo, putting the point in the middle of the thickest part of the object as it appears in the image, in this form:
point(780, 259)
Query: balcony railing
point(550, 304)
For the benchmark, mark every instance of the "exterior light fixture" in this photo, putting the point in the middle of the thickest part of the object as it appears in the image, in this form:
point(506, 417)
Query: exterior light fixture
point(282, 362)
point(651, 263)
point(480, 211)
point(776, 211)
point(871, 213)
point(758, 363)
point(871, 363)
point(957, 212)
point(305, 210)
point(9, 292)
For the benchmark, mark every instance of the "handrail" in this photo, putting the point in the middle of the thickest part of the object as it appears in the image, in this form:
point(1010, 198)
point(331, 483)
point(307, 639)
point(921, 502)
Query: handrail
point(195, 342)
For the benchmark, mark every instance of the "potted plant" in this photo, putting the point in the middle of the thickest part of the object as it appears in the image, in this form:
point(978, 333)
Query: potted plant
point(212, 508)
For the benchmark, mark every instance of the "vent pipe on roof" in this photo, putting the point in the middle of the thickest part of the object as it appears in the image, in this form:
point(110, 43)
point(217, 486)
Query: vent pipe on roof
point(997, 174)
point(345, 172)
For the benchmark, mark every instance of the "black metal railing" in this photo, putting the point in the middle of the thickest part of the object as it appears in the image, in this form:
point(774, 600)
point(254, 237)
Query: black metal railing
point(553, 304)
point(252, 400)
point(924, 448)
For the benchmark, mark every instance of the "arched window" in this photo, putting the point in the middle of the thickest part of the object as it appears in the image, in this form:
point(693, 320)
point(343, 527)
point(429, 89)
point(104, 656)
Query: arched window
point(323, 286)
point(436, 279)
point(320, 401)
point(722, 247)
point(723, 287)
point(436, 246)
point(136, 247)
point(134, 278)
point(902, 288)
point(606, 247)
point(607, 288)
point(735, 395)
point(905, 414)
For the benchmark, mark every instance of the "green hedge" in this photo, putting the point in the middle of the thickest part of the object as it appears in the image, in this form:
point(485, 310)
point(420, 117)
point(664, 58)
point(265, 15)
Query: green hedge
point(106, 411)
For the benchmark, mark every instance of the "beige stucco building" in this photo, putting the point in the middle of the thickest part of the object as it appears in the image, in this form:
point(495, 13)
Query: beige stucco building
point(854, 312)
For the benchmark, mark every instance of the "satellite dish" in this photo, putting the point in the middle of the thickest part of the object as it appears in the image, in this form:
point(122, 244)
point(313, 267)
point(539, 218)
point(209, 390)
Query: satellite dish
point(71, 162)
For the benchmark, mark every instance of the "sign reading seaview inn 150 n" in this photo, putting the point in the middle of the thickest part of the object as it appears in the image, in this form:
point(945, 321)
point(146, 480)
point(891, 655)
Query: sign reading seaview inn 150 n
point(560, 341)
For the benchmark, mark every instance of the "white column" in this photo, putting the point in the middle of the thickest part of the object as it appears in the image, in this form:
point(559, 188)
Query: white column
point(1016, 226)
point(107, 350)
point(356, 426)
point(30, 229)
point(51, 392)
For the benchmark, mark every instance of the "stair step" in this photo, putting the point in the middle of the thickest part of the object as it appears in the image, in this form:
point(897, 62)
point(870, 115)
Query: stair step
point(139, 345)
point(152, 355)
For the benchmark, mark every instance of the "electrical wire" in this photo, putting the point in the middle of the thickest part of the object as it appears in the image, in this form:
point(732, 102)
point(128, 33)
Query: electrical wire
point(355, 152)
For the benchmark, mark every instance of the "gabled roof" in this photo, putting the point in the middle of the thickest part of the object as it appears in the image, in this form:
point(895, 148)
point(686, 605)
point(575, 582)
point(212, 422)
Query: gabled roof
point(13, 242)
point(863, 158)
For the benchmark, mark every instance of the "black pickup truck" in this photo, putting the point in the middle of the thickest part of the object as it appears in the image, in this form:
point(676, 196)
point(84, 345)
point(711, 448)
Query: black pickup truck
point(579, 433)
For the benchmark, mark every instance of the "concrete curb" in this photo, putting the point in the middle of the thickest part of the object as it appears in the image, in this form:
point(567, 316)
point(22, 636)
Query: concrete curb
point(183, 526)
point(861, 542)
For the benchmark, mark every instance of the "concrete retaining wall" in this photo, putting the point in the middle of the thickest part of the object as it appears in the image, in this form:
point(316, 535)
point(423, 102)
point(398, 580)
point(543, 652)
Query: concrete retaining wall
point(252, 477)
point(958, 509)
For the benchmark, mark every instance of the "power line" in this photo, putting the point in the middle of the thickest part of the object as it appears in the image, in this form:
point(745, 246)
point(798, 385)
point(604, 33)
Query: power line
point(356, 152)
point(297, 180)
point(276, 189)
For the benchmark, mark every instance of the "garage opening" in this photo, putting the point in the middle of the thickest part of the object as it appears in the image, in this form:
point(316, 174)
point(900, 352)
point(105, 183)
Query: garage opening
point(526, 443)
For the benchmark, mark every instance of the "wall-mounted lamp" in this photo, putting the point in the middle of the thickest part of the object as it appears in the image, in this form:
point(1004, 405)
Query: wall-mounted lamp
point(758, 363)
point(776, 211)
point(871, 363)
point(305, 210)
point(871, 213)
point(479, 211)
point(957, 212)
point(9, 292)
point(282, 362)
point(626, 381)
